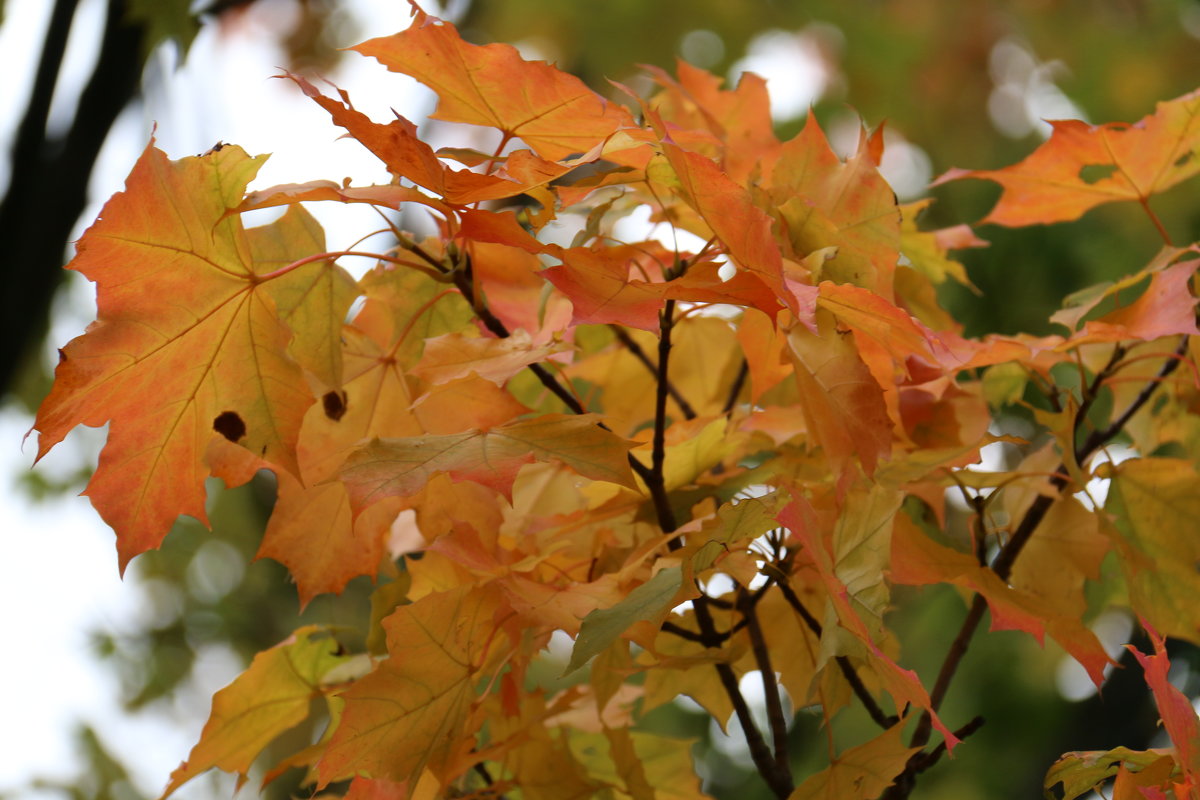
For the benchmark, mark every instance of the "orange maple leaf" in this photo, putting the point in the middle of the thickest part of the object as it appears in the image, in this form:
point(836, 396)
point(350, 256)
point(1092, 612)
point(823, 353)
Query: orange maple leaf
point(188, 344)
point(413, 711)
point(554, 113)
point(1082, 166)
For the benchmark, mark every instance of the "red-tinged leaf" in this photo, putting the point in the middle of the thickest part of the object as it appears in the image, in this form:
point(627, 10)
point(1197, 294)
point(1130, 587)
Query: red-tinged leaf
point(1082, 166)
point(898, 332)
point(499, 227)
point(917, 560)
point(413, 712)
point(551, 111)
point(368, 789)
point(728, 210)
point(825, 202)
point(270, 697)
point(1166, 308)
point(187, 345)
point(702, 283)
point(602, 289)
point(861, 772)
point(1078, 305)
point(390, 196)
point(401, 467)
point(1178, 716)
point(516, 291)
point(453, 356)
point(1152, 783)
point(842, 402)
point(609, 285)
point(396, 145)
point(905, 687)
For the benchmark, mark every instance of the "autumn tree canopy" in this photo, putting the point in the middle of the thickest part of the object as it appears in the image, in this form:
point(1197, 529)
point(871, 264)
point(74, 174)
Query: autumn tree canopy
point(697, 462)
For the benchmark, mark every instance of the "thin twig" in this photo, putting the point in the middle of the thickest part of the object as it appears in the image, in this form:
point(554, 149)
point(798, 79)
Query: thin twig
point(736, 388)
point(919, 762)
point(463, 281)
point(774, 702)
point(482, 770)
point(779, 780)
point(860, 689)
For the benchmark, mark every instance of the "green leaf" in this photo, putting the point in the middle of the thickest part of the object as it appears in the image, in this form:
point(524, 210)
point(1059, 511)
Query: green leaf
point(1081, 772)
point(164, 20)
point(1156, 502)
point(648, 602)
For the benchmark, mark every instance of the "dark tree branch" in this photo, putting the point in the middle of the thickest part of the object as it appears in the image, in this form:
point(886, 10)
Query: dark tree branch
point(762, 657)
point(637, 352)
point(847, 669)
point(736, 388)
point(462, 280)
point(47, 190)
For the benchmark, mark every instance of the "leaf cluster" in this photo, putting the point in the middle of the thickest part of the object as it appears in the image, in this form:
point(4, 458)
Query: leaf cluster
point(697, 460)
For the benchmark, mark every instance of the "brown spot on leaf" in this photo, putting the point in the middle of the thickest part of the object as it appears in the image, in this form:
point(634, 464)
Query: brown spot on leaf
point(229, 425)
point(334, 404)
point(61, 356)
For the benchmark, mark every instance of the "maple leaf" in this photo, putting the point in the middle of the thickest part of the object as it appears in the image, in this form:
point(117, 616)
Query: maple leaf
point(862, 771)
point(740, 119)
point(1080, 773)
point(1082, 166)
point(412, 712)
point(825, 202)
point(729, 211)
point(397, 145)
point(453, 355)
point(604, 287)
point(842, 402)
point(1177, 713)
point(648, 602)
point(553, 112)
point(312, 529)
point(1165, 308)
point(272, 696)
point(188, 343)
point(400, 467)
point(1155, 502)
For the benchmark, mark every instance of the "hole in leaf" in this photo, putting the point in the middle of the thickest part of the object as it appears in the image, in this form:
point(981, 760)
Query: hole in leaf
point(334, 404)
point(1094, 173)
point(1183, 159)
point(229, 425)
